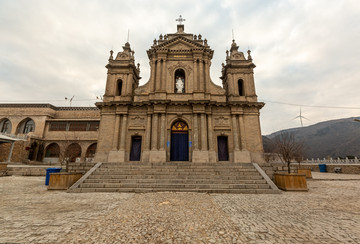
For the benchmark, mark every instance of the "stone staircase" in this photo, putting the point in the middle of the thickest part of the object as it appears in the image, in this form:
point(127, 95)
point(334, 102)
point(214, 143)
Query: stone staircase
point(223, 177)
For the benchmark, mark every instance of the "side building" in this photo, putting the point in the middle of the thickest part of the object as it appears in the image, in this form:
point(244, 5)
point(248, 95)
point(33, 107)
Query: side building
point(48, 133)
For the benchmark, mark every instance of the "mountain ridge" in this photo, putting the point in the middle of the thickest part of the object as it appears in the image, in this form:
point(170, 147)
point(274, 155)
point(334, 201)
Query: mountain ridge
point(332, 138)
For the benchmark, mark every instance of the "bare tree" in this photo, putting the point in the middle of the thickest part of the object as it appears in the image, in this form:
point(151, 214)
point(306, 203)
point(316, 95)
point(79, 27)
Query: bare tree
point(288, 149)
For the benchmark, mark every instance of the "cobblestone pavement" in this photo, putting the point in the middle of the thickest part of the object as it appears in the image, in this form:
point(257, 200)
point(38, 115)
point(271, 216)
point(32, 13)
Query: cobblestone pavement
point(328, 213)
point(29, 213)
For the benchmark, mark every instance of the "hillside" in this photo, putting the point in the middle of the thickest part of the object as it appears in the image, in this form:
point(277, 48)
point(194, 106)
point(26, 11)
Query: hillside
point(334, 138)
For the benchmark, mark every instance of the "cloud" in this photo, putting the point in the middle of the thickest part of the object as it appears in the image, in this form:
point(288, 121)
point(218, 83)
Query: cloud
point(306, 52)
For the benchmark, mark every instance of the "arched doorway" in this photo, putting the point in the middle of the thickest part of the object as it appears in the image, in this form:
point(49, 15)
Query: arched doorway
point(179, 150)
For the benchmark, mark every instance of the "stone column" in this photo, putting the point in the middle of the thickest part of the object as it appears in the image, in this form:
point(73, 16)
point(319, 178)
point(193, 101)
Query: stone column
point(196, 141)
point(229, 80)
point(158, 76)
point(162, 132)
point(242, 132)
point(201, 63)
point(210, 132)
point(235, 132)
point(195, 75)
point(154, 132)
point(212, 153)
point(207, 75)
point(203, 133)
point(148, 132)
point(116, 133)
point(163, 76)
point(152, 76)
point(129, 82)
point(123, 132)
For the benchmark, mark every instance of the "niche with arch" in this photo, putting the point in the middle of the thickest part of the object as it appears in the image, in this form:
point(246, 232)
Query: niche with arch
point(179, 81)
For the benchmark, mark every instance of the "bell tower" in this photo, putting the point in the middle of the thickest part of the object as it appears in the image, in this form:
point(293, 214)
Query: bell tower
point(238, 75)
point(122, 76)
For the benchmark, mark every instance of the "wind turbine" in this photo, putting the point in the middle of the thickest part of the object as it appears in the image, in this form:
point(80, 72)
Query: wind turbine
point(301, 117)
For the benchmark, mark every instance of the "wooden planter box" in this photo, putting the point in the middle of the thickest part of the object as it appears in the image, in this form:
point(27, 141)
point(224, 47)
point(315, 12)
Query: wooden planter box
point(62, 181)
point(307, 172)
point(291, 182)
point(3, 169)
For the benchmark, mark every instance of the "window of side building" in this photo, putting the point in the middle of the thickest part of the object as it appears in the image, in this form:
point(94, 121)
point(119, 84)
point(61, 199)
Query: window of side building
point(74, 126)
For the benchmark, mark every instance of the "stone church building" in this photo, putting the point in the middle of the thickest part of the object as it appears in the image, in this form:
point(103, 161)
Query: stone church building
point(178, 115)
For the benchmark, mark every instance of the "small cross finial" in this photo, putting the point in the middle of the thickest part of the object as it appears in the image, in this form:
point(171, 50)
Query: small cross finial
point(180, 19)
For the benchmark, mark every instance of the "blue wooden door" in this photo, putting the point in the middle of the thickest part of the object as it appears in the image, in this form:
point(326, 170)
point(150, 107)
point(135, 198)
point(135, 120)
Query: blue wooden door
point(179, 150)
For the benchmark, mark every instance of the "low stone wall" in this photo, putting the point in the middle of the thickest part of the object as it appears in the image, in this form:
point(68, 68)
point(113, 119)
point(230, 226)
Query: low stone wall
point(345, 168)
point(271, 168)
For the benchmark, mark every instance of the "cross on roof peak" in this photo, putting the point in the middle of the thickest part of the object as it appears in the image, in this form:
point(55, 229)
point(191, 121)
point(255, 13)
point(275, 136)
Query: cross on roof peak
point(180, 19)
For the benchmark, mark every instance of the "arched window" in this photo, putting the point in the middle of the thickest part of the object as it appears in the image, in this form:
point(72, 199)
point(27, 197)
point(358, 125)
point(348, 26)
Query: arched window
point(179, 81)
point(29, 126)
point(5, 126)
point(241, 87)
point(119, 87)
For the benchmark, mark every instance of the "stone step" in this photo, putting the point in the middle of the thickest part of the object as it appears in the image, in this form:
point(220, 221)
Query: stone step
point(178, 173)
point(175, 176)
point(145, 190)
point(176, 186)
point(167, 169)
point(167, 176)
point(120, 165)
point(189, 181)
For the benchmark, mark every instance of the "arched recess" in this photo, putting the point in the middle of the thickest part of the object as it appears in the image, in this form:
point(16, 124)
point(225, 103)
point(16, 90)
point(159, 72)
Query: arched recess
point(52, 153)
point(179, 150)
point(26, 126)
point(179, 81)
point(241, 87)
point(119, 87)
point(5, 126)
point(91, 150)
point(73, 151)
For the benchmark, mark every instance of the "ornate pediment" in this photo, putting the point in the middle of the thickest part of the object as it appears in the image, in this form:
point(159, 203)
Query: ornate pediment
point(180, 45)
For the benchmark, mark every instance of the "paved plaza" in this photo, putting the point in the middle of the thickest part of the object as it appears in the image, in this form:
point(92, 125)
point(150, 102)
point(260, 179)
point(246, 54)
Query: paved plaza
point(328, 213)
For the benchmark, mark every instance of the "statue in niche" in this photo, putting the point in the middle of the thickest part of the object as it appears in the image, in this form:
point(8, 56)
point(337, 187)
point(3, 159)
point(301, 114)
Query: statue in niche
point(180, 84)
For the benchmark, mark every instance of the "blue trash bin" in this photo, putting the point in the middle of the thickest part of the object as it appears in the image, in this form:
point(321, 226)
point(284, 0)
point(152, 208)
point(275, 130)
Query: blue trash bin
point(322, 167)
point(48, 172)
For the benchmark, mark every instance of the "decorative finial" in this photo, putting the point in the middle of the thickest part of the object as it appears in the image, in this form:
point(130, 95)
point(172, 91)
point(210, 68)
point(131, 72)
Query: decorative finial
point(249, 56)
point(227, 53)
point(111, 55)
point(180, 19)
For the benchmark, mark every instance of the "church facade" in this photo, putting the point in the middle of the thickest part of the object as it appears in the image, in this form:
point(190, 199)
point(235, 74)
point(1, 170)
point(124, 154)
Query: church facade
point(179, 114)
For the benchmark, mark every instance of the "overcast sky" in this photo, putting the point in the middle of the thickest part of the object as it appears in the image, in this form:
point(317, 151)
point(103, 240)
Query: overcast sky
point(306, 52)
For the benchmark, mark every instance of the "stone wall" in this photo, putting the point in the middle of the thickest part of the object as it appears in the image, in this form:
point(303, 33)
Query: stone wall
point(19, 153)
